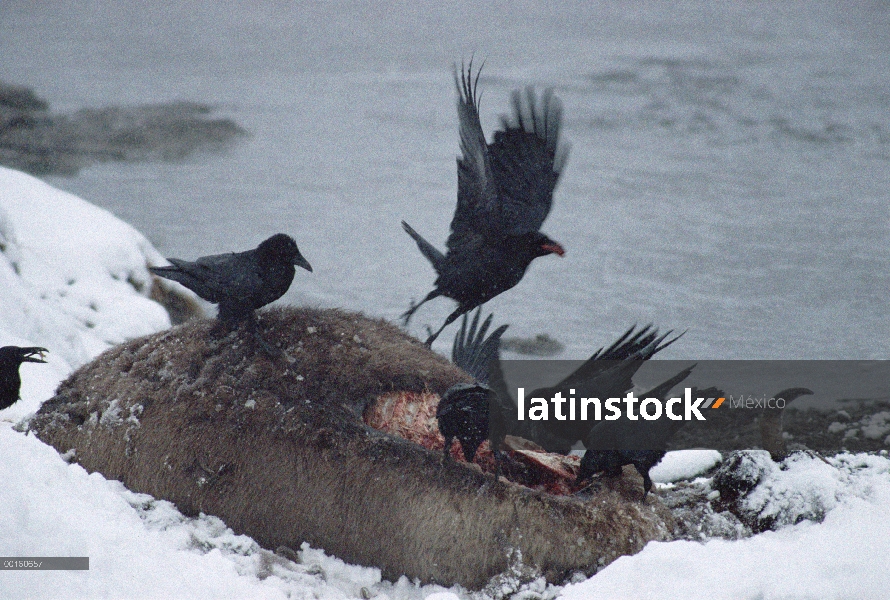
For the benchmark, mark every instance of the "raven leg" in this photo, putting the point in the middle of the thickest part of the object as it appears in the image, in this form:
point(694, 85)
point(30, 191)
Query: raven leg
point(253, 326)
point(647, 481)
point(406, 316)
point(232, 314)
point(451, 318)
point(470, 447)
point(448, 447)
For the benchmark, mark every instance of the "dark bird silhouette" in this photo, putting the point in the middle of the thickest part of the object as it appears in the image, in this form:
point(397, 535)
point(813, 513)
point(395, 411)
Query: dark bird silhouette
point(641, 443)
point(470, 411)
point(240, 282)
point(504, 193)
point(608, 373)
point(771, 423)
point(11, 358)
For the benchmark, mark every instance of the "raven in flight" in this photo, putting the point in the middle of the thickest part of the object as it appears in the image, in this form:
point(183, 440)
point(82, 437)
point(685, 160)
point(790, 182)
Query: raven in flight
point(504, 193)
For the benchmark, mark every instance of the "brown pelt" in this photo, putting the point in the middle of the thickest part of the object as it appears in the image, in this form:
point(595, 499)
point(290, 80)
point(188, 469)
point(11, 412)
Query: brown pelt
point(275, 446)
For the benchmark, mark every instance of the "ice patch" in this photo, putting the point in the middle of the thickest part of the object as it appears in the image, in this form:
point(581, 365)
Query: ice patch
point(684, 464)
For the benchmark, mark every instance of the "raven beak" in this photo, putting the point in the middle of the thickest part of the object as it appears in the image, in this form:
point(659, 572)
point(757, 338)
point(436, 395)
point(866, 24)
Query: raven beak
point(33, 354)
point(554, 248)
point(299, 261)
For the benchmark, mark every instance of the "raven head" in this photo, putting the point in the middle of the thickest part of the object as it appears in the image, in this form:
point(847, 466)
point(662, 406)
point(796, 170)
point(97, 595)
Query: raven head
point(283, 247)
point(598, 461)
point(11, 358)
point(17, 355)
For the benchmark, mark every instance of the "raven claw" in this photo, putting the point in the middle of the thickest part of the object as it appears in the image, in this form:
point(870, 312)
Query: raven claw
point(268, 348)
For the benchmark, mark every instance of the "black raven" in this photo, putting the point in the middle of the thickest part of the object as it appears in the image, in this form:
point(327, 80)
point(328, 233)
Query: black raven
point(608, 373)
point(240, 282)
point(469, 411)
point(504, 193)
point(11, 358)
point(641, 443)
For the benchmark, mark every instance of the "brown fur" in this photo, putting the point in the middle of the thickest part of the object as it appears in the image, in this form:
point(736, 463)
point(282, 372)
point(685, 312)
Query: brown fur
point(180, 307)
point(277, 449)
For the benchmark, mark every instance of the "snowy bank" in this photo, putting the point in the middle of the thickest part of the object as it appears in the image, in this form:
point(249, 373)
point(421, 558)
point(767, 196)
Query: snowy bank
point(840, 557)
point(73, 278)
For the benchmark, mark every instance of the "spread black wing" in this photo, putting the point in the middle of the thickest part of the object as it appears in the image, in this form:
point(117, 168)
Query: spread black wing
point(505, 188)
point(638, 346)
point(527, 160)
point(472, 351)
point(608, 373)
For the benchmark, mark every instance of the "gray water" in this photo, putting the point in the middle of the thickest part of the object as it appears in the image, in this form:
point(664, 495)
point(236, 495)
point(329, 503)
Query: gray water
point(728, 173)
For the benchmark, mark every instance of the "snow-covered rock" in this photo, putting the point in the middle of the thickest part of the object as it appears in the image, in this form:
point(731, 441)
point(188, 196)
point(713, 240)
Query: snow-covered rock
point(684, 464)
point(73, 279)
point(804, 486)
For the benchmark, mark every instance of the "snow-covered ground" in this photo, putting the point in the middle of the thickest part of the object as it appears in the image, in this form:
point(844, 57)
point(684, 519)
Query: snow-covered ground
point(73, 279)
point(843, 556)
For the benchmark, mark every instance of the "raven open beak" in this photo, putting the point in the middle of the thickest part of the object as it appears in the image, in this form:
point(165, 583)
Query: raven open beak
point(299, 261)
point(34, 354)
point(553, 248)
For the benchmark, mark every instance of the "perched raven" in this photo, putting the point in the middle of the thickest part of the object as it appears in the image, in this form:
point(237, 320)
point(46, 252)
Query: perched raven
point(504, 193)
point(11, 358)
point(470, 411)
point(641, 443)
point(240, 282)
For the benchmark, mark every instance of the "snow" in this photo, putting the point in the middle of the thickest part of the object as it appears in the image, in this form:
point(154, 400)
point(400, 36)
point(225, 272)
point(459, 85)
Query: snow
point(684, 464)
point(842, 557)
point(835, 558)
point(73, 279)
point(140, 547)
point(877, 425)
point(871, 426)
point(807, 487)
